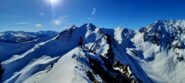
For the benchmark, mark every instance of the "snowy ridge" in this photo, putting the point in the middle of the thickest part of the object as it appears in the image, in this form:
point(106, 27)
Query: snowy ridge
point(69, 70)
point(20, 36)
point(153, 54)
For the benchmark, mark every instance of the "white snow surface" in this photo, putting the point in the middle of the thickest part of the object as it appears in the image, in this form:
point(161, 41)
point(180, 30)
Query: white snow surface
point(67, 70)
point(31, 62)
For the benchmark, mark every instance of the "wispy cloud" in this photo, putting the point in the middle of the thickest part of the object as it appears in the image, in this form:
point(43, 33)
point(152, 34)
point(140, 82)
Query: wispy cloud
point(39, 25)
point(90, 18)
point(94, 11)
point(21, 23)
point(59, 21)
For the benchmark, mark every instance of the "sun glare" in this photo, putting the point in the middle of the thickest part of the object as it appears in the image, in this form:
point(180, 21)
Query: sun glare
point(53, 1)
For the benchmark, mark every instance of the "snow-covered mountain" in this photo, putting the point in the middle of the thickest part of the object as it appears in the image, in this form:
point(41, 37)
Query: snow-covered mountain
point(162, 48)
point(154, 54)
point(20, 36)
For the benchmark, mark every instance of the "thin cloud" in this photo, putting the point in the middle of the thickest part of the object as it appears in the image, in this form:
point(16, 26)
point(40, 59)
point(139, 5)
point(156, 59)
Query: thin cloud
point(94, 11)
point(59, 21)
point(39, 25)
point(92, 14)
point(21, 23)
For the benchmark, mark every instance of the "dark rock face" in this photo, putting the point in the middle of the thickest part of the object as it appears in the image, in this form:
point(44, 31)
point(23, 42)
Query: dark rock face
point(108, 76)
point(106, 69)
point(143, 29)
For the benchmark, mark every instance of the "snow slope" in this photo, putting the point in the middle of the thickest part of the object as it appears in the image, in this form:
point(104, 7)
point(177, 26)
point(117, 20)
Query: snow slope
point(155, 53)
point(160, 57)
point(69, 69)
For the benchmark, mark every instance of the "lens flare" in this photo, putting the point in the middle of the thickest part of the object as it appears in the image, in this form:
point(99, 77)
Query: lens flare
point(53, 1)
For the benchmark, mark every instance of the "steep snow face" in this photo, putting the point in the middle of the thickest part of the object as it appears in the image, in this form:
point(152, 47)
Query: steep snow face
point(33, 67)
point(71, 68)
point(161, 45)
point(118, 35)
point(15, 55)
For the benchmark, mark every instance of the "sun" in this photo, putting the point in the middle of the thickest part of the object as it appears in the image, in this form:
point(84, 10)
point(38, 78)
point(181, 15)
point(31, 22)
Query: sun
point(53, 1)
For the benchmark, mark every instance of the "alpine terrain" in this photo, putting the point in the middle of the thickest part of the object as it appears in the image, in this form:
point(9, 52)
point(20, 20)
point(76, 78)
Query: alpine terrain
point(90, 54)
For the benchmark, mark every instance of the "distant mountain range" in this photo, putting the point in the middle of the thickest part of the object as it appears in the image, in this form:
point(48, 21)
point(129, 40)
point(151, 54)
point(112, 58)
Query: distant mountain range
point(153, 54)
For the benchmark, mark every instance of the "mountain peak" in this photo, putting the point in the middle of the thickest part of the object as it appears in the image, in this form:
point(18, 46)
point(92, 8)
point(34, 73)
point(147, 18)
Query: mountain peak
point(72, 27)
point(88, 25)
point(179, 23)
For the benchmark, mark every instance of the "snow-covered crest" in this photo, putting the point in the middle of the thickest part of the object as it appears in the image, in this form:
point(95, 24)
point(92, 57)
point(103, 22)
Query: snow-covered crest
point(154, 54)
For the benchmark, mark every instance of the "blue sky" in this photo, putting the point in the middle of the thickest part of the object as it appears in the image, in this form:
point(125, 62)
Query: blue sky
point(36, 15)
